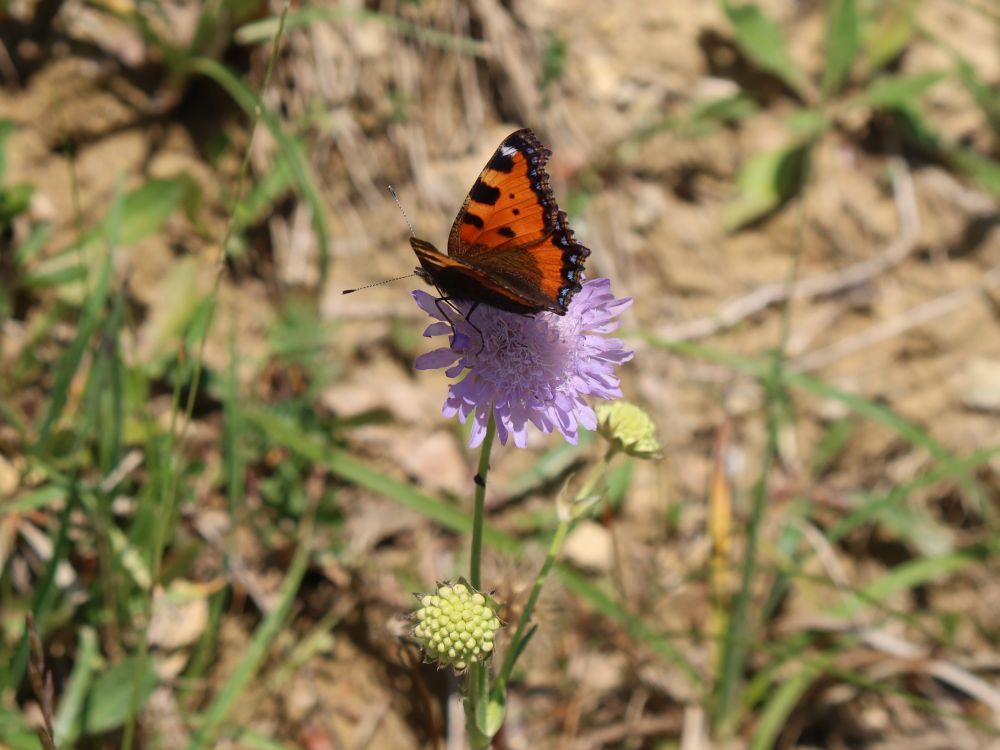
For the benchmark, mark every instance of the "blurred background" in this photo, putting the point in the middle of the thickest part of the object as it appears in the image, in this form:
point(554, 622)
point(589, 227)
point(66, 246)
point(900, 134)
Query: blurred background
point(221, 480)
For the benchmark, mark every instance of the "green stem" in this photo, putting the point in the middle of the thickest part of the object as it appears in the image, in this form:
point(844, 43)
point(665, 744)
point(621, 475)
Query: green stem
point(567, 519)
point(480, 504)
point(477, 681)
point(477, 702)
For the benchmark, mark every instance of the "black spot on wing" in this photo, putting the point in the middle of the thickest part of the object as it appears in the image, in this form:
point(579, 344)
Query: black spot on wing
point(501, 163)
point(517, 212)
point(485, 194)
point(507, 232)
point(473, 220)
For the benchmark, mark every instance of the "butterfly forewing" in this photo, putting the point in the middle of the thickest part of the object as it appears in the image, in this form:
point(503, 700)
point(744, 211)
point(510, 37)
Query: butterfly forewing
point(510, 203)
point(510, 245)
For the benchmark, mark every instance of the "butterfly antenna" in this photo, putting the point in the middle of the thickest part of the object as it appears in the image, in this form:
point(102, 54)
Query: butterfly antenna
point(399, 205)
point(377, 283)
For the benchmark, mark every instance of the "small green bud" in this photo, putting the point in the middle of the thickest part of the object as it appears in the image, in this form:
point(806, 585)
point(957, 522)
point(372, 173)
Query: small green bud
point(629, 428)
point(456, 625)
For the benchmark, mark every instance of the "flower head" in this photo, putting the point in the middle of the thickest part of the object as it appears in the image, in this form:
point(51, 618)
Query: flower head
point(629, 429)
point(532, 369)
point(456, 625)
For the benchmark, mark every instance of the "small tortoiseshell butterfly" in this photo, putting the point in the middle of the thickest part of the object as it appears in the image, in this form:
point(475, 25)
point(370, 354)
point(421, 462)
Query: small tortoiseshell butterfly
point(510, 246)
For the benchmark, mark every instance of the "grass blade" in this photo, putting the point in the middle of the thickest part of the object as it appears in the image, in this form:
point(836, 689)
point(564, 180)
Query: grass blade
point(346, 467)
point(341, 464)
point(636, 626)
point(291, 151)
point(263, 637)
point(911, 432)
point(915, 573)
point(73, 701)
point(264, 30)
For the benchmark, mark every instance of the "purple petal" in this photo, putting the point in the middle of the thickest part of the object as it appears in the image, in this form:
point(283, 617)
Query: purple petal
point(437, 329)
point(533, 370)
point(435, 360)
point(427, 303)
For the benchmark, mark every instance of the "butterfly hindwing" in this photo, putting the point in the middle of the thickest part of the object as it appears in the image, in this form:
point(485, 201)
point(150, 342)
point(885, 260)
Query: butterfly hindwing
point(458, 279)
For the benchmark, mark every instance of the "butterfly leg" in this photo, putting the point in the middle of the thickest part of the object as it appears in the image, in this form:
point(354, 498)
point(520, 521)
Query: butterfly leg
point(454, 332)
point(448, 301)
point(468, 319)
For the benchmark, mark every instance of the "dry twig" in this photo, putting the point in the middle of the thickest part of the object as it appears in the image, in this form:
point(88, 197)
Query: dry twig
point(822, 285)
point(912, 318)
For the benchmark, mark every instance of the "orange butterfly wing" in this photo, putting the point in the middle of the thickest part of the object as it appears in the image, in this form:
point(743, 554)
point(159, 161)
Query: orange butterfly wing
point(511, 228)
point(511, 239)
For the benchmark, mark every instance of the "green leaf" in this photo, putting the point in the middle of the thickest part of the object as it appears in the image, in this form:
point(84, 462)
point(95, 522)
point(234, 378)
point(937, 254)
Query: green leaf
point(842, 43)
point(40, 498)
point(887, 92)
point(917, 133)
point(142, 213)
point(987, 98)
point(110, 701)
point(54, 277)
point(13, 201)
point(145, 210)
point(261, 196)
point(86, 660)
point(709, 115)
point(6, 129)
point(806, 122)
point(981, 168)
point(888, 35)
point(496, 710)
point(170, 315)
point(765, 182)
point(15, 733)
point(761, 40)
point(32, 244)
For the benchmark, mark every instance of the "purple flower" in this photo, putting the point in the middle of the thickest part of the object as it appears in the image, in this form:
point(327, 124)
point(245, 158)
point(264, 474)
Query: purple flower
point(534, 369)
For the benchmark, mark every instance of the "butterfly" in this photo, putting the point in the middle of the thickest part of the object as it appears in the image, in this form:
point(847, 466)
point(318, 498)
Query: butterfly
point(510, 246)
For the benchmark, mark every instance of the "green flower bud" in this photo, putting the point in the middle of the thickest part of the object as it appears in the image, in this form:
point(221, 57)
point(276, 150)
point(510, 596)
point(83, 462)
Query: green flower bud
point(456, 625)
point(629, 428)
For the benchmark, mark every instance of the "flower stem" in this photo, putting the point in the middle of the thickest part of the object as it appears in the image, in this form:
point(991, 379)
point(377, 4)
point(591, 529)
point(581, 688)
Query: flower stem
point(477, 684)
point(567, 519)
point(480, 503)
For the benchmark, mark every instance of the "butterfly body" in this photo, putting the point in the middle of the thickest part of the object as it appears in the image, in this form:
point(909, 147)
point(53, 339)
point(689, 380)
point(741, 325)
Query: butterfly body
point(510, 246)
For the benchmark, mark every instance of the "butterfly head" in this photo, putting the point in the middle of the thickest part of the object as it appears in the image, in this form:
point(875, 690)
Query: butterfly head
point(431, 260)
